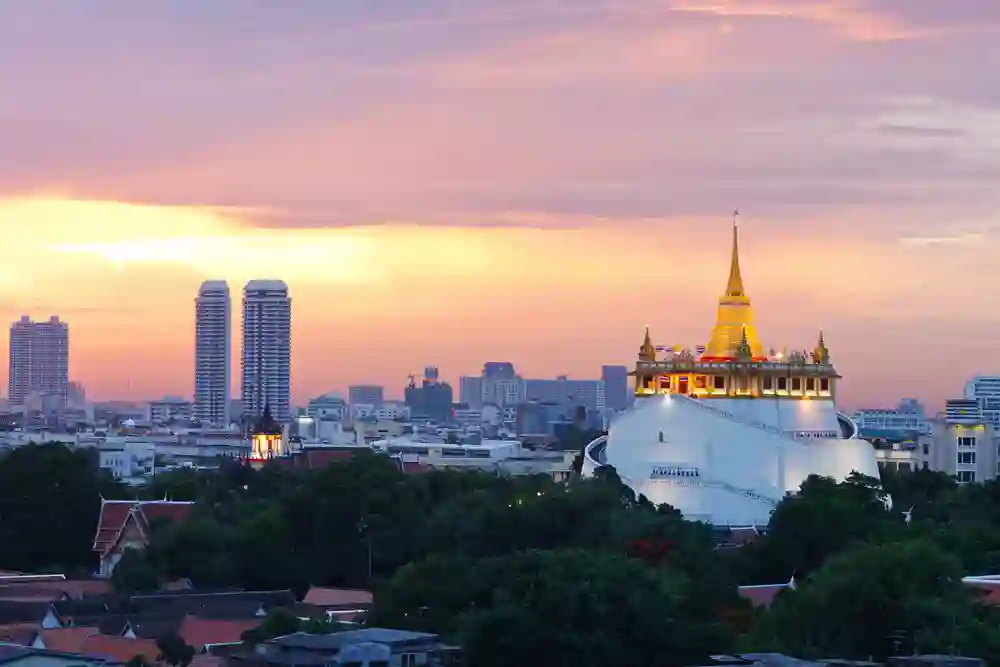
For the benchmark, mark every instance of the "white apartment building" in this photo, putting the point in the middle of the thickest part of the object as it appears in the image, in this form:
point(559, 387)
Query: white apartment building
point(985, 390)
point(39, 360)
point(328, 407)
point(267, 348)
point(965, 443)
point(128, 460)
point(169, 410)
point(388, 411)
point(212, 353)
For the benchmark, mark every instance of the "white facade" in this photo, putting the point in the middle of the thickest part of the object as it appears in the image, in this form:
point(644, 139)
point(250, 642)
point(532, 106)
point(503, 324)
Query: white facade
point(965, 449)
point(39, 360)
point(328, 407)
point(267, 348)
point(169, 410)
point(388, 411)
point(212, 353)
point(985, 390)
point(127, 459)
point(728, 461)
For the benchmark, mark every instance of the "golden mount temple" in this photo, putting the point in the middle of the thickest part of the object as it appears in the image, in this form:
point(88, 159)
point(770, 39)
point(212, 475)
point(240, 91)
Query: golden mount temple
point(733, 364)
point(723, 433)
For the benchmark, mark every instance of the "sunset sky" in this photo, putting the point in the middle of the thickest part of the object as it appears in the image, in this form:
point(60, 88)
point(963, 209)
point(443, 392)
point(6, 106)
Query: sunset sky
point(454, 181)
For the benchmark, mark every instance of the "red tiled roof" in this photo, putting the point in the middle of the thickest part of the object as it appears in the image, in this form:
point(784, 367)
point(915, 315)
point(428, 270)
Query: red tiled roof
point(319, 459)
point(115, 513)
point(205, 660)
point(68, 640)
point(990, 591)
point(198, 632)
point(53, 590)
point(761, 596)
point(120, 648)
point(18, 633)
point(333, 597)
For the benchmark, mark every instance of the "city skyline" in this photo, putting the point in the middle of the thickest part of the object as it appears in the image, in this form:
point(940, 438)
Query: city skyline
point(442, 185)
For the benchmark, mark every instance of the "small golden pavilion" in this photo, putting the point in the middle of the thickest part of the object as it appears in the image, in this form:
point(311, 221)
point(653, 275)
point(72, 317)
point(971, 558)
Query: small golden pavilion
point(266, 440)
point(734, 364)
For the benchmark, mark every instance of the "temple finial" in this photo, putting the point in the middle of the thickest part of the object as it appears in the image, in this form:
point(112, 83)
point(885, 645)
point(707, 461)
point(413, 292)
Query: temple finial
point(647, 351)
point(735, 286)
point(821, 355)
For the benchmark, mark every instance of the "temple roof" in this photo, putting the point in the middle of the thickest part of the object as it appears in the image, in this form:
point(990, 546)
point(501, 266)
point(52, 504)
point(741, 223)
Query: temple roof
point(266, 425)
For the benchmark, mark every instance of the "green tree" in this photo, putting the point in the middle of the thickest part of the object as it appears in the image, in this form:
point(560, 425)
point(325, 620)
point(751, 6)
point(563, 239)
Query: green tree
point(576, 607)
point(823, 519)
point(200, 548)
point(50, 500)
point(853, 605)
point(277, 623)
point(134, 573)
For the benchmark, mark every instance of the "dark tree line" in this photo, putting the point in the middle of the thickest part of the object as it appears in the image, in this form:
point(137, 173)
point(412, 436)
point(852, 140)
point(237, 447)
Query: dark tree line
point(585, 573)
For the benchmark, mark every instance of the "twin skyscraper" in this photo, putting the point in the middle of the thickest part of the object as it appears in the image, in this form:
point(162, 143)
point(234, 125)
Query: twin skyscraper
point(266, 354)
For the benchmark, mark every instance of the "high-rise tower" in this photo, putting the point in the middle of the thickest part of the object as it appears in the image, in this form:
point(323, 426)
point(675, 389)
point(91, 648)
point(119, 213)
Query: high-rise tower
point(212, 353)
point(39, 359)
point(267, 348)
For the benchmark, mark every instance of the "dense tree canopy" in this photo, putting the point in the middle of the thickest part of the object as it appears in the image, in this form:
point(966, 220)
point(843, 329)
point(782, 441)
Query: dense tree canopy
point(50, 497)
point(859, 602)
point(514, 566)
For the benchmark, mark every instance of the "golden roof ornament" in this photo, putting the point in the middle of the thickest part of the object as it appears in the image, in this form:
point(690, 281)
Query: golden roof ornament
point(734, 316)
point(646, 351)
point(821, 355)
point(743, 351)
point(735, 285)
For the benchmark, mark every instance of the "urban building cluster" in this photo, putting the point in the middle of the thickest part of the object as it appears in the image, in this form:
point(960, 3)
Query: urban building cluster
point(499, 421)
point(502, 421)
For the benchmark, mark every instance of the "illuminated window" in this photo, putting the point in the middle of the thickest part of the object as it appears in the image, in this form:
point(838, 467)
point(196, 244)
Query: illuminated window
point(782, 384)
point(796, 384)
point(699, 382)
point(720, 382)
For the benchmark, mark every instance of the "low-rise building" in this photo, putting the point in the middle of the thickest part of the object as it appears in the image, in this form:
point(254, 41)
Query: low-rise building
point(360, 648)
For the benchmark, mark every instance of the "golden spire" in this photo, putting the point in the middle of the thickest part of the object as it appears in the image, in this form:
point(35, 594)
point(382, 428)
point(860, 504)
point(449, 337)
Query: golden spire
point(647, 352)
point(734, 319)
point(735, 286)
point(821, 355)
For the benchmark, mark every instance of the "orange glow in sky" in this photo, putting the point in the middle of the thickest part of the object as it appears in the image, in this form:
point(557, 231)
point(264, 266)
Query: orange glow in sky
point(373, 303)
point(449, 183)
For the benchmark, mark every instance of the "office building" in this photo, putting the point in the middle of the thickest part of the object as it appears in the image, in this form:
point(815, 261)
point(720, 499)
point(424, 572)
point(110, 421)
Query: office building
point(616, 393)
point(965, 443)
point(211, 351)
point(39, 360)
point(365, 394)
point(432, 399)
point(985, 390)
point(267, 349)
